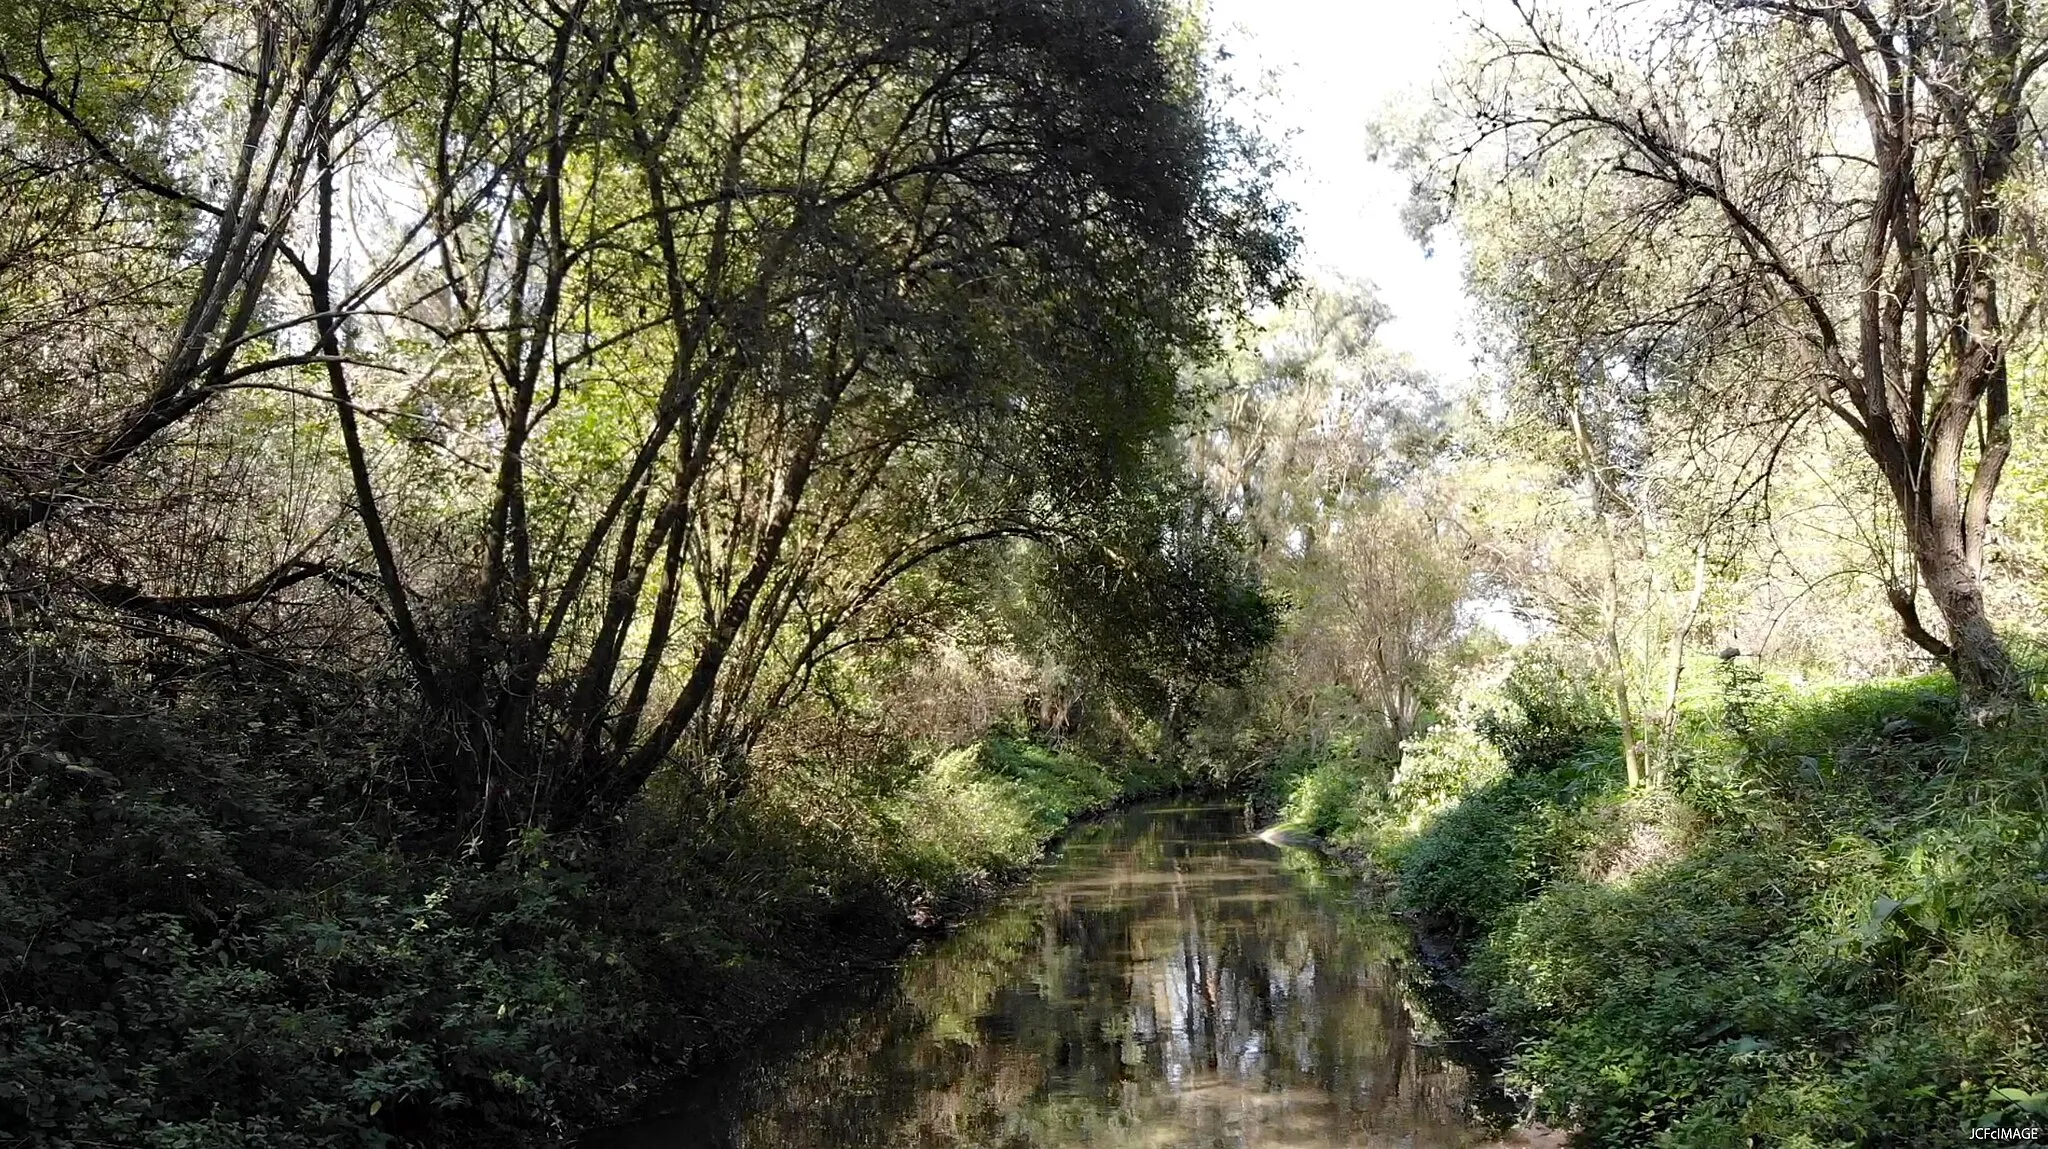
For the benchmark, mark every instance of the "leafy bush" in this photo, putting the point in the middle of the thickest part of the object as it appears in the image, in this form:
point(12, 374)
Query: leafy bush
point(1856, 954)
point(1547, 711)
point(1348, 793)
point(1323, 800)
point(1439, 768)
point(212, 934)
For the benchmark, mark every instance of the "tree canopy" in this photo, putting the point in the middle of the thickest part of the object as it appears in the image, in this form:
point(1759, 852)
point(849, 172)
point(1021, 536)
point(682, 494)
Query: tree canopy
point(611, 367)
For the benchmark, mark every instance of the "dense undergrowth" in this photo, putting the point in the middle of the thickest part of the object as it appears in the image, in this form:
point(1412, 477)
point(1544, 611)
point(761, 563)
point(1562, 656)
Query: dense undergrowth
point(1829, 928)
point(235, 942)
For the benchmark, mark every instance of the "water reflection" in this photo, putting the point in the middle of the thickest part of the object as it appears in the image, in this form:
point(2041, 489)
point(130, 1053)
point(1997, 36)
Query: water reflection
point(1166, 983)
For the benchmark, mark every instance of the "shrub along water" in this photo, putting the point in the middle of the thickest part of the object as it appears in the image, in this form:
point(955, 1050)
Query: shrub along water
point(1829, 928)
point(233, 945)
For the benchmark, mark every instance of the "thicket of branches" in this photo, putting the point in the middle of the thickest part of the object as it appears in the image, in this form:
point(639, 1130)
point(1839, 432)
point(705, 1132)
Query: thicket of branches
point(1748, 214)
point(592, 377)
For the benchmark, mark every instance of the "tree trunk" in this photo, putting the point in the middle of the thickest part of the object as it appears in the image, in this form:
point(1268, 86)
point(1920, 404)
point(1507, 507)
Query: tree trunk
point(1610, 605)
point(1624, 712)
point(1983, 670)
point(1674, 673)
point(1945, 527)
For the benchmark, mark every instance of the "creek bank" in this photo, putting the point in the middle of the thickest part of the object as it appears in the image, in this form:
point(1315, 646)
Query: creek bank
point(256, 963)
point(1439, 978)
point(1166, 981)
point(1825, 926)
point(892, 935)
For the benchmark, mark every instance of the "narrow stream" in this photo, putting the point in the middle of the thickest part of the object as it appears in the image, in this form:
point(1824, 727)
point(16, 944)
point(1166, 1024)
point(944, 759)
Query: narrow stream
point(1169, 981)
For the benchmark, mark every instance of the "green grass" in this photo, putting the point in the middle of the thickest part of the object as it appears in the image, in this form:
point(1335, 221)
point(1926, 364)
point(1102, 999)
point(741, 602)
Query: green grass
point(1830, 930)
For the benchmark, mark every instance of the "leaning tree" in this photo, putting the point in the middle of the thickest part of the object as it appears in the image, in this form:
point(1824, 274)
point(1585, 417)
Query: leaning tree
point(1844, 179)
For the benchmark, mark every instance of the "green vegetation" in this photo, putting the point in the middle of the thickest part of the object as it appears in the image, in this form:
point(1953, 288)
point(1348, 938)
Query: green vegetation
point(532, 533)
point(1830, 930)
point(985, 813)
point(219, 923)
point(510, 514)
point(1678, 669)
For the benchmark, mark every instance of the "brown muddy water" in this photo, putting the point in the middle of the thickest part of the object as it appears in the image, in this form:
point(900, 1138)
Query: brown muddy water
point(1169, 981)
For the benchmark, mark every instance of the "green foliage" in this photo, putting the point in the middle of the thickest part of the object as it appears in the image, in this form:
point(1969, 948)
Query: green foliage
point(1535, 720)
point(1830, 930)
point(472, 601)
point(1318, 440)
point(1323, 798)
point(1548, 711)
point(1162, 608)
point(1504, 842)
point(205, 942)
point(208, 949)
point(469, 660)
point(1438, 769)
point(1852, 953)
point(984, 813)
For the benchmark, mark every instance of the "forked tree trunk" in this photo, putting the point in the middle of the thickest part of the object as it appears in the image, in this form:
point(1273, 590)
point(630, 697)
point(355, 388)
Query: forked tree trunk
point(1913, 360)
point(1946, 521)
point(1983, 669)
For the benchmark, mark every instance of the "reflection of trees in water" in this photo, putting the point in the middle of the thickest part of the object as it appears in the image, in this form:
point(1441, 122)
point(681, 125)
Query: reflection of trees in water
point(1163, 985)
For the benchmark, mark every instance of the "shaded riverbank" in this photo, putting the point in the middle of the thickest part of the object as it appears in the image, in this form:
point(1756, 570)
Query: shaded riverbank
point(1170, 979)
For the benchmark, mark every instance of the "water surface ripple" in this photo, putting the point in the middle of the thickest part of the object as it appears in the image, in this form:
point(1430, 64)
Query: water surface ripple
point(1169, 981)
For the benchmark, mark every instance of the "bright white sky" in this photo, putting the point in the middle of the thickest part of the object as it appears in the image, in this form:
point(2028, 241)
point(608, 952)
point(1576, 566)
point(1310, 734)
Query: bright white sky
point(1332, 66)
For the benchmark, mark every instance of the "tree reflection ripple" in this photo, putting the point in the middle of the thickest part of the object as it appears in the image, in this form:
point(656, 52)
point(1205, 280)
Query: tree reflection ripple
point(1169, 981)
